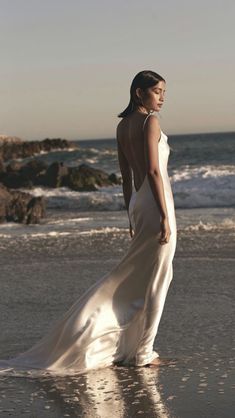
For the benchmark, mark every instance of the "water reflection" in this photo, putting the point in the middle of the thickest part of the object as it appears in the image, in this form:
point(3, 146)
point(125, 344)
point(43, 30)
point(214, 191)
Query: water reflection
point(117, 392)
point(202, 384)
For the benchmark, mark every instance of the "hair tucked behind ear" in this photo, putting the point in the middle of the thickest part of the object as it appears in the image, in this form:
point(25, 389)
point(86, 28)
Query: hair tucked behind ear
point(144, 79)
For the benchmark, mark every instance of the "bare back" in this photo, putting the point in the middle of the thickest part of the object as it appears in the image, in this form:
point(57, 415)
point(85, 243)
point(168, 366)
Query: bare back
point(131, 140)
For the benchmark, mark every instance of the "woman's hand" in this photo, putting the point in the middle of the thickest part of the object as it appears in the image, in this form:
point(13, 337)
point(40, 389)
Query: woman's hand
point(131, 230)
point(165, 231)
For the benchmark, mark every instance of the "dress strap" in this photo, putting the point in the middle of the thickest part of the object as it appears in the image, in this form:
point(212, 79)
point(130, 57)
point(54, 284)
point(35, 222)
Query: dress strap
point(146, 119)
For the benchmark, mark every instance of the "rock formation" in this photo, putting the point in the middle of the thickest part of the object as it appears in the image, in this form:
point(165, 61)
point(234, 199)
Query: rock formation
point(10, 149)
point(17, 206)
point(37, 173)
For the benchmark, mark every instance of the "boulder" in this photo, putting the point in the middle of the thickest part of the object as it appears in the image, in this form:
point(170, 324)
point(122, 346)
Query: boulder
point(16, 180)
point(55, 175)
point(86, 178)
point(2, 166)
point(34, 170)
point(18, 175)
point(5, 197)
point(55, 143)
point(13, 166)
point(17, 206)
point(115, 179)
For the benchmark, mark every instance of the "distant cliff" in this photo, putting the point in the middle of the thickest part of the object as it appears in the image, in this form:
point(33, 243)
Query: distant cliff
point(4, 139)
point(13, 147)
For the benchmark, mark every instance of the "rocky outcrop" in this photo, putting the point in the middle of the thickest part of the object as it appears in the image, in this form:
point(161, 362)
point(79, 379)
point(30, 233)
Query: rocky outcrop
point(17, 206)
point(10, 150)
point(55, 175)
point(2, 166)
point(36, 173)
point(86, 178)
point(17, 175)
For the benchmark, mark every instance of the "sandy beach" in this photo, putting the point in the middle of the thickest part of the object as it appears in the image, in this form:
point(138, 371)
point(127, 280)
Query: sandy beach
point(43, 271)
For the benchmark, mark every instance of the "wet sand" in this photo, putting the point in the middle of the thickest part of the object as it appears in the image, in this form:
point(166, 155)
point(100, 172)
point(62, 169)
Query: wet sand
point(196, 329)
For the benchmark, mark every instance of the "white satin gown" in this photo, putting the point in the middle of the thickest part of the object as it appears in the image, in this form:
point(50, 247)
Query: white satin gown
point(116, 319)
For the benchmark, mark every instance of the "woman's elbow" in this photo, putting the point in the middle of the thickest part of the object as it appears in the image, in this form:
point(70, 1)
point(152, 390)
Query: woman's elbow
point(153, 172)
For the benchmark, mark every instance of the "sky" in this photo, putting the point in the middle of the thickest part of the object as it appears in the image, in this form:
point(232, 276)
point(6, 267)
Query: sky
point(67, 66)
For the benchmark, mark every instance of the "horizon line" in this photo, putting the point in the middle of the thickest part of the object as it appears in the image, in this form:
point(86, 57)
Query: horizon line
point(113, 138)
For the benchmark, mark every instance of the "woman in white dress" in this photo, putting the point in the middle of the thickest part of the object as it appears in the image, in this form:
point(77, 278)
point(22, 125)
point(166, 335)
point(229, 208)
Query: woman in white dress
point(116, 320)
point(143, 152)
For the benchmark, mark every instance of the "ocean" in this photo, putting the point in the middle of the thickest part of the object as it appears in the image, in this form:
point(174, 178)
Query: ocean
point(202, 173)
point(201, 168)
point(45, 267)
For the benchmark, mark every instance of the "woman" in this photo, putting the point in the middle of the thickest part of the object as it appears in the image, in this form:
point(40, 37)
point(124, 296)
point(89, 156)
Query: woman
point(116, 320)
point(144, 152)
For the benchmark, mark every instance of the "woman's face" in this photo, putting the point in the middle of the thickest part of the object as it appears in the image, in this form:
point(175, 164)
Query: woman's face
point(153, 98)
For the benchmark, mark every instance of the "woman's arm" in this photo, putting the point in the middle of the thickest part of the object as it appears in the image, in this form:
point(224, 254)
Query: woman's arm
point(152, 132)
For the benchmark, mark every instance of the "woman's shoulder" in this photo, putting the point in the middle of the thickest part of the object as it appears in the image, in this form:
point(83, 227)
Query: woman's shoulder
point(149, 120)
point(120, 130)
point(151, 123)
point(122, 125)
point(152, 119)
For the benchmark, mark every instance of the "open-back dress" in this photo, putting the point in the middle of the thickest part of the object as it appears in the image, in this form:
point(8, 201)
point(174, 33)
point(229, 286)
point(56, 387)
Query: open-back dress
point(117, 318)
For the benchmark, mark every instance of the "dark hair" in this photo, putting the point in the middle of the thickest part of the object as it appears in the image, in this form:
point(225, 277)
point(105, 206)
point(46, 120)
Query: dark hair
point(144, 79)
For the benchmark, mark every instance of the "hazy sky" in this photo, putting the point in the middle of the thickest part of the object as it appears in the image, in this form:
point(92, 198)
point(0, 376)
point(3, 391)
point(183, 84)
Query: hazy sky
point(66, 66)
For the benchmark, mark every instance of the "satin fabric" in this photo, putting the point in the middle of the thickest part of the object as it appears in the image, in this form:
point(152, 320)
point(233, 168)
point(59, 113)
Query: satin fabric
point(116, 319)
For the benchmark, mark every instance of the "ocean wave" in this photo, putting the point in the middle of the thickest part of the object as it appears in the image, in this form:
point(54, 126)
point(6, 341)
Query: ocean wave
point(226, 224)
point(27, 233)
point(193, 187)
point(205, 186)
point(70, 221)
point(105, 199)
point(100, 151)
point(187, 172)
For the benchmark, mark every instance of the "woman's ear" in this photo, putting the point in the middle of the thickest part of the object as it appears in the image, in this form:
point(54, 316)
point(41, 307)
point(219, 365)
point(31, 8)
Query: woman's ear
point(138, 92)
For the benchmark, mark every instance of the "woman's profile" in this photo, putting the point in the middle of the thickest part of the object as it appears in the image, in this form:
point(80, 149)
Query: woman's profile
point(116, 320)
